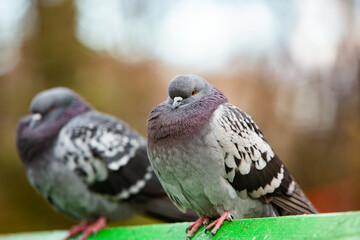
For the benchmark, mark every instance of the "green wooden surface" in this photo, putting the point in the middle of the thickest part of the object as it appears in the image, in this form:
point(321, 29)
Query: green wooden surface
point(321, 226)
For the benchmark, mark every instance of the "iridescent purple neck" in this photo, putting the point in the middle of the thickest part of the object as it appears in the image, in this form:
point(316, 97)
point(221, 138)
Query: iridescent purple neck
point(168, 124)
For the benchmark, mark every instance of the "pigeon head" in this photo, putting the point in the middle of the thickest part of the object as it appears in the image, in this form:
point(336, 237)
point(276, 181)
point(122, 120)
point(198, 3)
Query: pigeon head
point(56, 105)
point(185, 89)
point(188, 108)
point(50, 111)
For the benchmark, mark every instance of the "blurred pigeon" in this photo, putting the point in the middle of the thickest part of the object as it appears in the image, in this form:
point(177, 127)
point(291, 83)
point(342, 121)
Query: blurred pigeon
point(89, 165)
point(211, 157)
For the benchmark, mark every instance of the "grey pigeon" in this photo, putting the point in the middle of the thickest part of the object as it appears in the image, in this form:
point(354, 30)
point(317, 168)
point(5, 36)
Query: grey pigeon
point(87, 164)
point(211, 157)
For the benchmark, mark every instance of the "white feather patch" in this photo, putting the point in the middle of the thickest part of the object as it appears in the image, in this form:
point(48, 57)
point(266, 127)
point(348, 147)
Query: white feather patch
point(76, 155)
point(230, 162)
point(291, 188)
point(116, 165)
point(231, 175)
point(270, 155)
point(260, 164)
point(269, 188)
point(243, 194)
point(135, 188)
point(257, 155)
point(244, 167)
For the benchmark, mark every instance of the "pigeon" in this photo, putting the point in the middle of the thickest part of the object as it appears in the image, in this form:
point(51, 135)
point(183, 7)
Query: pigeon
point(88, 165)
point(211, 157)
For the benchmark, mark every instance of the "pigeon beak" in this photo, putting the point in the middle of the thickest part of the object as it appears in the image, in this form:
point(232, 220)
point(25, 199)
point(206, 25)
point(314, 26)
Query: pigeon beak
point(35, 119)
point(177, 102)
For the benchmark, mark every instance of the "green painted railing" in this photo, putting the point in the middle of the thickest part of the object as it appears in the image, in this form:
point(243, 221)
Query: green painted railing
point(320, 226)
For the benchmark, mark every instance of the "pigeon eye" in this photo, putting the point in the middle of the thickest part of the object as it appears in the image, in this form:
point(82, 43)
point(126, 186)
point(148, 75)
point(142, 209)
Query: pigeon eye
point(193, 92)
point(52, 108)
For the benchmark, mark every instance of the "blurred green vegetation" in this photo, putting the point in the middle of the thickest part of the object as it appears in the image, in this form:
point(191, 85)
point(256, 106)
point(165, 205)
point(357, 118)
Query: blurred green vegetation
point(325, 162)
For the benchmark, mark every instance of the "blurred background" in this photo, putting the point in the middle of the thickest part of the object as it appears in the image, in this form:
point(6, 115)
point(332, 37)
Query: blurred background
point(293, 65)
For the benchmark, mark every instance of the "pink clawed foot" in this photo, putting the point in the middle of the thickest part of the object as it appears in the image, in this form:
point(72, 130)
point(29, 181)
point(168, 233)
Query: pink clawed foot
point(195, 226)
point(100, 224)
point(218, 223)
point(77, 229)
point(86, 229)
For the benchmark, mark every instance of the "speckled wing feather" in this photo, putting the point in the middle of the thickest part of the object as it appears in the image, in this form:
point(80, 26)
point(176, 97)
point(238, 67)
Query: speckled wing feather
point(252, 167)
point(106, 154)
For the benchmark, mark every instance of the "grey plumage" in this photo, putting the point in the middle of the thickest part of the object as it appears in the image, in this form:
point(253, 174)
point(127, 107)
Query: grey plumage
point(211, 157)
point(88, 164)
